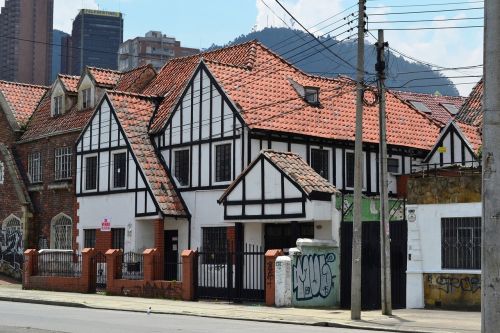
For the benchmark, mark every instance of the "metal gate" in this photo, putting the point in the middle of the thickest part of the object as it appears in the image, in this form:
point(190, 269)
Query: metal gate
point(98, 272)
point(370, 262)
point(229, 274)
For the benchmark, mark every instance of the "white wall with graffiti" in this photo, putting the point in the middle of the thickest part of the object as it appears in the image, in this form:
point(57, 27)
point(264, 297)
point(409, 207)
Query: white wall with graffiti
point(11, 247)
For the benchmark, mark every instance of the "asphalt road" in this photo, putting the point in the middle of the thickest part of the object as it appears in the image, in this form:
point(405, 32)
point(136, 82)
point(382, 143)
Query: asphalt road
point(36, 318)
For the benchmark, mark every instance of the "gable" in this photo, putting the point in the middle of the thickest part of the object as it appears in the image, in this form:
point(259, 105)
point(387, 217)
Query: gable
point(451, 147)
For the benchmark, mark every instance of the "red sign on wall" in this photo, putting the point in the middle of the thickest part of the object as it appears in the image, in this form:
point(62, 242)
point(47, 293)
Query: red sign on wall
point(106, 225)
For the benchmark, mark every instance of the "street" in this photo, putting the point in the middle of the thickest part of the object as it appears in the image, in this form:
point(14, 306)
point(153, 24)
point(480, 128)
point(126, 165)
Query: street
point(25, 317)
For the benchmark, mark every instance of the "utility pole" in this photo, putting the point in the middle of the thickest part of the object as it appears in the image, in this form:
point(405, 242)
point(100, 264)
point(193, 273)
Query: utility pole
point(490, 262)
point(385, 245)
point(358, 170)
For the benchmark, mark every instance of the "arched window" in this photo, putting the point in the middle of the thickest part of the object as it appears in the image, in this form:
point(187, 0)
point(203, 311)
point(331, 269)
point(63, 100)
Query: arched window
point(11, 224)
point(61, 231)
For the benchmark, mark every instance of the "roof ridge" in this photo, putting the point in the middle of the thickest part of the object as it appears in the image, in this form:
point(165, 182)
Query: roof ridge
point(426, 94)
point(68, 76)
point(127, 93)
point(105, 69)
point(224, 64)
point(136, 68)
point(24, 84)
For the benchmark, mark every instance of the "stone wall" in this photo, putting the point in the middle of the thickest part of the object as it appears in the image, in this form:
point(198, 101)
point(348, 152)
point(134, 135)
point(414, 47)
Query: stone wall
point(445, 187)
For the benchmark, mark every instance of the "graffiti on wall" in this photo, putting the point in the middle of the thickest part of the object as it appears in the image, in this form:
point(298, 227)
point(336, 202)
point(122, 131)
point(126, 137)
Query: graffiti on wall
point(11, 252)
point(313, 276)
point(453, 290)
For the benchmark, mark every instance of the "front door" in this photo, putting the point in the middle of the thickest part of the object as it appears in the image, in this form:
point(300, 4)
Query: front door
point(284, 235)
point(171, 254)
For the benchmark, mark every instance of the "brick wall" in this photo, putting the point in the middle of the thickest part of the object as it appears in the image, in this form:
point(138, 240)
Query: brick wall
point(50, 197)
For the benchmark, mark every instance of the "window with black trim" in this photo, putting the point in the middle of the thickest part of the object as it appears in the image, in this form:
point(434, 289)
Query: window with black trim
point(461, 243)
point(120, 170)
point(214, 245)
point(392, 165)
point(181, 166)
point(349, 169)
point(35, 167)
point(223, 162)
point(90, 173)
point(311, 95)
point(118, 238)
point(89, 238)
point(320, 162)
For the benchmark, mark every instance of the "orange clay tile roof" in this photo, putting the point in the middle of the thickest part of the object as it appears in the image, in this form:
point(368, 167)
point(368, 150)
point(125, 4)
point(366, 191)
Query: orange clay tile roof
point(134, 112)
point(293, 166)
point(22, 99)
point(434, 103)
point(70, 82)
point(42, 123)
point(258, 82)
point(472, 134)
point(136, 79)
point(104, 77)
point(471, 112)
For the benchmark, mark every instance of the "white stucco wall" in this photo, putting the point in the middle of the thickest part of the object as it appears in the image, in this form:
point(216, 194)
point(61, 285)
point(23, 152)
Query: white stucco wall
point(424, 244)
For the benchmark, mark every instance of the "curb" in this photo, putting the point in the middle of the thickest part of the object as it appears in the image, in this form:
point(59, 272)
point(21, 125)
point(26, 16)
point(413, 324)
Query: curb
point(272, 321)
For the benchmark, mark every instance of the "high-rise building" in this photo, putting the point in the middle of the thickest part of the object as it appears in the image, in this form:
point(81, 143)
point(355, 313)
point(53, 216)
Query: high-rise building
point(57, 48)
point(66, 54)
point(155, 49)
point(95, 39)
point(26, 41)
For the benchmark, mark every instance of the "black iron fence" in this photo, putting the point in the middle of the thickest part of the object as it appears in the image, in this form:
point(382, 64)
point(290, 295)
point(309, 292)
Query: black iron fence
point(98, 271)
point(473, 166)
point(132, 266)
point(59, 263)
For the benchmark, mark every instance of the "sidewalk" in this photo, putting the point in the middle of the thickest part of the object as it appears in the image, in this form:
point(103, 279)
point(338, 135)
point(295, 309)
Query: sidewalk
point(402, 320)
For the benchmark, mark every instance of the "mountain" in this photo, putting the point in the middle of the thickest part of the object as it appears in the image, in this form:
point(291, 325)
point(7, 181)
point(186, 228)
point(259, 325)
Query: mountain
point(300, 49)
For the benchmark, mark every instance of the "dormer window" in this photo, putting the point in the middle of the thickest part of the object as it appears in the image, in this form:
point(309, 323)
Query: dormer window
point(311, 95)
point(86, 98)
point(58, 105)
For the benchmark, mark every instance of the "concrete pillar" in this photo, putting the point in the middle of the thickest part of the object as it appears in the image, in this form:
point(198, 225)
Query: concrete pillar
point(283, 281)
point(87, 271)
point(188, 274)
point(149, 264)
point(270, 257)
point(30, 267)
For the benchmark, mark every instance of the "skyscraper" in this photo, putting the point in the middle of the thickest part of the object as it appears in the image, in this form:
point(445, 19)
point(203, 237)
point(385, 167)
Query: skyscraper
point(58, 38)
point(25, 41)
point(95, 38)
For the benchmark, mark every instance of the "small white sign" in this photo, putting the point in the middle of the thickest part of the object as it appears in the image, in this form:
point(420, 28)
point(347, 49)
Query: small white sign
point(106, 224)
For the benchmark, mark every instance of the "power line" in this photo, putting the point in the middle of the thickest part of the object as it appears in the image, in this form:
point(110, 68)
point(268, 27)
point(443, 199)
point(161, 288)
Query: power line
point(428, 20)
point(427, 4)
point(434, 28)
point(428, 11)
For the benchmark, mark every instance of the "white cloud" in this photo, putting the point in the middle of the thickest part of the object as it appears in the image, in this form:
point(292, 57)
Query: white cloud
point(308, 12)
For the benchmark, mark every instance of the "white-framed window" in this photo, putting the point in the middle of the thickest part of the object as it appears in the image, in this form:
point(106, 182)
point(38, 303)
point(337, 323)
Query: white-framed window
point(223, 158)
point(61, 231)
point(35, 167)
point(320, 162)
point(62, 163)
point(58, 105)
point(12, 224)
point(119, 174)
point(90, 173)
point(2, 173)
point(86, 98)
point(181, 166)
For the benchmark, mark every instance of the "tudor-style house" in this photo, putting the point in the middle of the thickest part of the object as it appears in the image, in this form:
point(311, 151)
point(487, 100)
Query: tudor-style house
point(46, 151)
point(210, 150)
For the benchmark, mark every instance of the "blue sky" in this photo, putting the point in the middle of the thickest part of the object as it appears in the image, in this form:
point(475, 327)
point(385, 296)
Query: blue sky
point(199, 23)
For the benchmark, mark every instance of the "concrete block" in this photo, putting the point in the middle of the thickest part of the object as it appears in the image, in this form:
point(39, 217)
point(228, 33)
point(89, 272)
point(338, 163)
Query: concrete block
point(283, 281)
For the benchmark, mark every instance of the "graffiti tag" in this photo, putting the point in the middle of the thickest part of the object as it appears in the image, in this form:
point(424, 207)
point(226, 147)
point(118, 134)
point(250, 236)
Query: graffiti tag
point(11, 252)
point(312, 276)
point(466, 284)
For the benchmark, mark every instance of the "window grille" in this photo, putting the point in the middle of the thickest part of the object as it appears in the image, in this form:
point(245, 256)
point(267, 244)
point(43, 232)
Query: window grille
point(461, 243)
point(58, 100)
point(320, 162)
point(89, 238)
point(11, 225)
point(223, 162)
point(118, 238)
point(62, 228)
point(215, 245)
point(119, 170)
point(86, 98)
point(35, 167)
point(62, 163)
point(2, 171)
point(181, 167)
point(91, 173)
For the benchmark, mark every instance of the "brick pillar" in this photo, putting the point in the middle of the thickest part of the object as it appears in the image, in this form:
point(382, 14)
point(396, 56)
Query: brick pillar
point(149, 264)
point(271, 256)
point(88, 272)
point(30, 267)
point(188, 274)
point(112, 267)
point(159, 236)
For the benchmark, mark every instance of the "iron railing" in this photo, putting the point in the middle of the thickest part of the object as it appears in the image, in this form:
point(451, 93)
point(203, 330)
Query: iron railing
point(59, 263)
point(132, 266)
point(472, 166)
